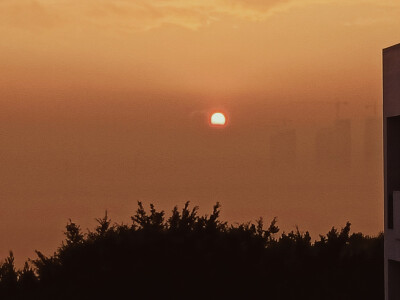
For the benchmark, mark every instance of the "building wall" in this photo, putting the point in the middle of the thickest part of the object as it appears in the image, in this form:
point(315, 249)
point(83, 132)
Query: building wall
point(391, 134)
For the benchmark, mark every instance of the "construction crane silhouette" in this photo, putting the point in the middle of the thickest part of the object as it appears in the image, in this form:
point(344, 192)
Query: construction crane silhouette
point(337, 104)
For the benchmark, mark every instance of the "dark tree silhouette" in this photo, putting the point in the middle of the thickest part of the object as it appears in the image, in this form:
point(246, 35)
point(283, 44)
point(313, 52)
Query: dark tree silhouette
point(186, 256)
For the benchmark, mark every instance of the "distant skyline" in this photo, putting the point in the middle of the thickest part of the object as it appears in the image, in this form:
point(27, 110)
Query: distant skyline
point(104, 103)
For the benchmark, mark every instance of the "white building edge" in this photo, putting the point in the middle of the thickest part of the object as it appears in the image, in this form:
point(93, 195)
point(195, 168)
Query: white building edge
point(391, 140)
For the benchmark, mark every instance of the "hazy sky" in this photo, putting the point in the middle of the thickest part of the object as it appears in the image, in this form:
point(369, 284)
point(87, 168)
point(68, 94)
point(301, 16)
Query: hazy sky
point(105, 102)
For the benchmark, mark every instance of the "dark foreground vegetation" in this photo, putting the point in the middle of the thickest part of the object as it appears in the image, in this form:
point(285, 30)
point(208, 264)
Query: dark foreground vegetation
point(186, 256)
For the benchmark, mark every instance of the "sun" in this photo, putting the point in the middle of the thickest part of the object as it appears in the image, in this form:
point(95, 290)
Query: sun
point(218, 119)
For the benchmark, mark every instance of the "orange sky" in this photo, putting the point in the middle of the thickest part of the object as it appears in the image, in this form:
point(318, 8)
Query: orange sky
point(105, 102)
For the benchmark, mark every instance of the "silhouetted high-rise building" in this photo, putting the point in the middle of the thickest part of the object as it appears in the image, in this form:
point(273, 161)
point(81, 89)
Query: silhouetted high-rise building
point(283, 150)
point(324, 147)
point(372, 145)
point(342, 143)
point(333, 146)
point(391, 138)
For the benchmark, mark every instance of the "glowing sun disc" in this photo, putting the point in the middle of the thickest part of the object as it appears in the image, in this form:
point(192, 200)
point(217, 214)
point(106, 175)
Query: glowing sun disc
point(218, 119)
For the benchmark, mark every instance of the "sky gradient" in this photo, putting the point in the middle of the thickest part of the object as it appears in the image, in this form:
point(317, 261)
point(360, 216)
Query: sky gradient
point(104, 103)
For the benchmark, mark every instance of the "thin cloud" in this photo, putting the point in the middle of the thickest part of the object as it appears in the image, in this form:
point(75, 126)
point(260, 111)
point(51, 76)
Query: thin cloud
point(131, 14)
point(363, 22)
point(141, 15)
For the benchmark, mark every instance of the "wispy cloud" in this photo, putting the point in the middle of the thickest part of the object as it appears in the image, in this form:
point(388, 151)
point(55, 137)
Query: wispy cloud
point(144, 14)
point(132, 14)
point(361, 22)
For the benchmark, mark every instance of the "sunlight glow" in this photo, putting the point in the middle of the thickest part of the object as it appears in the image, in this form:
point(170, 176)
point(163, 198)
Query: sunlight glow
point(218, 119)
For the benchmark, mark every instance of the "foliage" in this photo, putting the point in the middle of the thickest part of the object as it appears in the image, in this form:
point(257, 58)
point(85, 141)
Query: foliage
point(191, 256)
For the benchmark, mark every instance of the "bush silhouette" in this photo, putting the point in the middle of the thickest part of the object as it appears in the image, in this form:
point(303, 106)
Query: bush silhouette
point(187, 256)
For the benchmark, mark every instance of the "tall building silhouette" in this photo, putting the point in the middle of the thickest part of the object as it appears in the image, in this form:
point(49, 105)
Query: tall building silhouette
point(283, 149)
point(324, 148)
point(391, 138)
point(372, 146)
point(333, 146)
point(342, 143)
